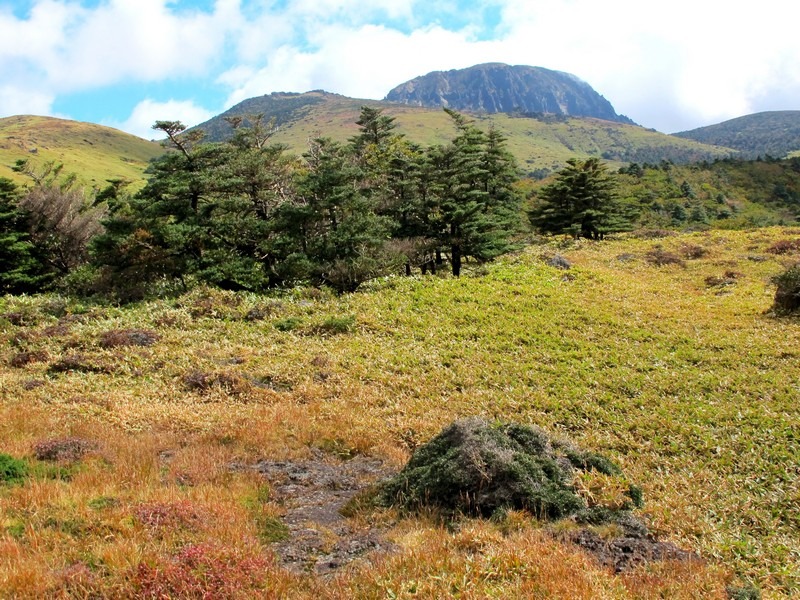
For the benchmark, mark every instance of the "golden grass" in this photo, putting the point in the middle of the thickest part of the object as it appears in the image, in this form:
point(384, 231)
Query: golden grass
point(94, 152)
point(691, 387)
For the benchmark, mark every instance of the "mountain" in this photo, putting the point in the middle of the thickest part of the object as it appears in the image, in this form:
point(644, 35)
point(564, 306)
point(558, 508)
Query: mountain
point(774, 133)
point(94, 152)
point(541, 142)
point(501, 88)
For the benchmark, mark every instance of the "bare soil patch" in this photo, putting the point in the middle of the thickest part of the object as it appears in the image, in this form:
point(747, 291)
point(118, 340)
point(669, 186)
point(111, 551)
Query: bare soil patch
point(312, 494)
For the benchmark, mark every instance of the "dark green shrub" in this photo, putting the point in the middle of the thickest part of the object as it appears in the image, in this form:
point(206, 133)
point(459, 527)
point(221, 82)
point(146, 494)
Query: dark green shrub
point(288, 324)
point(474, 467)
point(336, 325)
point(12, 470)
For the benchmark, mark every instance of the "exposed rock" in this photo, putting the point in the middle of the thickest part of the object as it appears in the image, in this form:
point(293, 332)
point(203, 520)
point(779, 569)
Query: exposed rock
point(497, 87)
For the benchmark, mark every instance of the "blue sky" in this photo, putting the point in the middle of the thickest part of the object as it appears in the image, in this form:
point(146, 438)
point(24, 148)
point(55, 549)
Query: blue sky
point(126, 63)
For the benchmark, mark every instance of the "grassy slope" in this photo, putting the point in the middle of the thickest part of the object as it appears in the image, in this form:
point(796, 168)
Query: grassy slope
point(774, 133)
point(692, 388)
point(94, 152)
point(537, 144)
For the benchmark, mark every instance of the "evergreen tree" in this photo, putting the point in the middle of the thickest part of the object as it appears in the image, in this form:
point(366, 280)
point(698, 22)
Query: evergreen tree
point(581, 201)
point(20, 271)
point(341, 234)
point(470, 203)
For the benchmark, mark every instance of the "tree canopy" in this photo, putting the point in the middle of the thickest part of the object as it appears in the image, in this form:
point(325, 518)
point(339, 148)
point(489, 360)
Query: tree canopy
point(245, 214)
point(581, 201)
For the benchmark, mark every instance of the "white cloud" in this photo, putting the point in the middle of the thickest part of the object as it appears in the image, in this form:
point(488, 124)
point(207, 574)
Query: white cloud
point(18, 101)
point(147, 112)
point(674, 67)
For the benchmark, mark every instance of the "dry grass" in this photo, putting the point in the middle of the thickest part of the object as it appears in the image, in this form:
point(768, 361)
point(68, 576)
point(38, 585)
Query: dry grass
point(691, 388)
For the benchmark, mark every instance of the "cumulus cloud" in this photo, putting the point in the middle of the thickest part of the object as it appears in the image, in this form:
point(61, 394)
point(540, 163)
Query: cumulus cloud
point(147, 112)
point(673, 67)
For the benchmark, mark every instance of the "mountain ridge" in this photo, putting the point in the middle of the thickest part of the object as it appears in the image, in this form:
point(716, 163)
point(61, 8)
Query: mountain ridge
point(768, 133)
point(501, 88)
point(540, 142)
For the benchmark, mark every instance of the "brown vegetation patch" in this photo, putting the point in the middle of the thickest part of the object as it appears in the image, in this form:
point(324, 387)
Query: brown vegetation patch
point(63, 449)
point(629, 550)
point(727, 278)
point(204, 571)
point(784, 247)
point(56, 331)
point(128, 337)
point(158, 516)
point(654, 234)
point(660, 258)
point(229, 382)
point(692, 251)
point(32, 384)
point(78, 363)
point(22, 359)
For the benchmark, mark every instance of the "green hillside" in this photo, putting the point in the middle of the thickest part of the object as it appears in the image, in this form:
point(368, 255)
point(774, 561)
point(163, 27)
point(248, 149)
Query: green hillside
point(773, 133)
point(94, 152)
point(541, 143)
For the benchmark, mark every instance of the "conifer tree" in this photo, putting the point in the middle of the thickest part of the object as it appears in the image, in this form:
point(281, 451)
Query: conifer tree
point(20, 271)
point(472, 205)
point(581, 201)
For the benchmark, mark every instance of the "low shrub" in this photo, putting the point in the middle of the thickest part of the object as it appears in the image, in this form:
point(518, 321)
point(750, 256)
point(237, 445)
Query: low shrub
point(474, 467)
point(231, 383)
point(63, 449)
point(784, 247)
point(692, 251)
point(12, 470)
point(336, 325)
point(204, 571)
point(787, 293)
point(78, 363)
point(128, 337)
point(22, 359)
point(660, 258)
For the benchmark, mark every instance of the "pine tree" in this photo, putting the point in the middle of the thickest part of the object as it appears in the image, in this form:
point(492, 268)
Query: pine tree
point(581, 201)
point(471, 205)
point(20, 271)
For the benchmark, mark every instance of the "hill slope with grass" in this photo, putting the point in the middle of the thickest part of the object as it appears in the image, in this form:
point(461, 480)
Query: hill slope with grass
point(773, 133)
point(541, 143)
point(94, 152)
point(166, 442)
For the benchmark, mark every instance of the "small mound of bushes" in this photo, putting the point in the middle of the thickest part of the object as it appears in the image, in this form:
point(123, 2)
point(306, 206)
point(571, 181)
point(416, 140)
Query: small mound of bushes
point(63, 449)
point(784, 247)
point(787, 293)
point(660, 258)
point(128, 337)
point(477, 468)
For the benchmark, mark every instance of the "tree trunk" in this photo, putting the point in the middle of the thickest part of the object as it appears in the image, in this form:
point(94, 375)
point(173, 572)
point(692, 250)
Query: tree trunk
point(455, 259)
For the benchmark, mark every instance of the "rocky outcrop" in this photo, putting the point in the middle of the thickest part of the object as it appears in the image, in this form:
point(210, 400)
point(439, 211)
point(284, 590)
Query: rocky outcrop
point(497, 87)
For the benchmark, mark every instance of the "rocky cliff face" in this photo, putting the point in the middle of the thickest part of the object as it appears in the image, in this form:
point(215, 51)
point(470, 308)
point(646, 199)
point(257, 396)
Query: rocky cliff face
point(497, 87)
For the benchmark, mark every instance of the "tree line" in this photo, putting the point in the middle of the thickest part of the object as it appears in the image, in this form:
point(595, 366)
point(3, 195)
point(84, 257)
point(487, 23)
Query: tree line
point(245, 214)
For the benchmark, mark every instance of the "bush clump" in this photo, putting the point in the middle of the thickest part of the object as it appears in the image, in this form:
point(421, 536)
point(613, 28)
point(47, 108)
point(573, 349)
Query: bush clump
point(787, 294)
point(474, 467)
point(660, 258)
point(784, 247)
point(128, 337)
point(12, 470)
point(63, 449)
